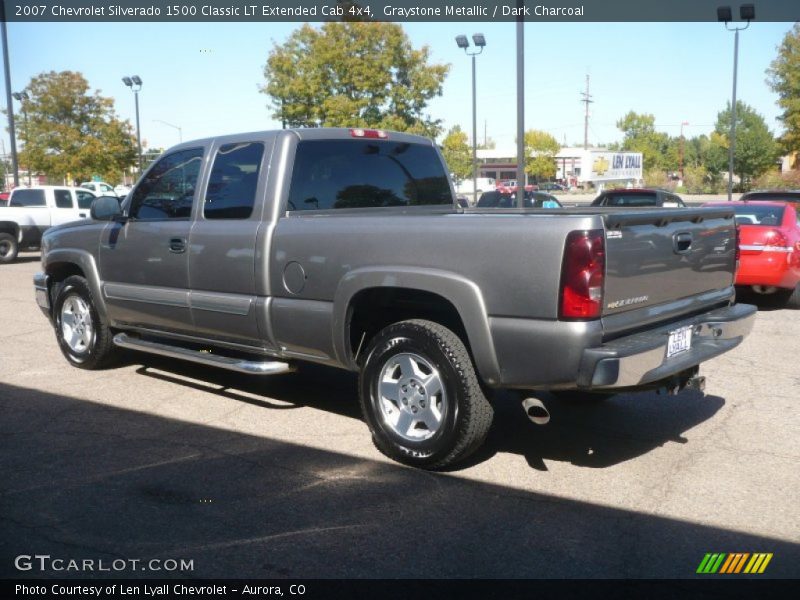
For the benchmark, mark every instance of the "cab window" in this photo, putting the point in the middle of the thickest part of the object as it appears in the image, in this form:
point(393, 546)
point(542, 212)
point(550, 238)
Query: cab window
point(167, 191)
point(231, 192)
point(63, 198)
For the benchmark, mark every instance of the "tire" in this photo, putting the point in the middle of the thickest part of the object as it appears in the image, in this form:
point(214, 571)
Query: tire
point(421, 397)
point(85, 340)
point(9, 248)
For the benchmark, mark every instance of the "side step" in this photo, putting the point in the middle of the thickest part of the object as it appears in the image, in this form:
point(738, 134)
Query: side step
point(123, 340)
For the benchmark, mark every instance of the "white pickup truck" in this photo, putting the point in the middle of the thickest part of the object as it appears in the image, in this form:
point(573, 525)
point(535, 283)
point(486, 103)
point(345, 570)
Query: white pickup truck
point(31, 211)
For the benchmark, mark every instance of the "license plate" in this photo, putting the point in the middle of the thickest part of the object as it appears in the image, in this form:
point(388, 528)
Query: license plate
point(680, 340)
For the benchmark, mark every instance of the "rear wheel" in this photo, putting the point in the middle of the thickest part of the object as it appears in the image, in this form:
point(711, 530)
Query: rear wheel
point(84, 339)
point(421, 397)
point(9, 248)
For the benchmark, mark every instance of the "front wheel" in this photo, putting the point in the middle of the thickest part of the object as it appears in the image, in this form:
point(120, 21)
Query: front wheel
point(84, 339)
point(421, 397)
point(9, 248)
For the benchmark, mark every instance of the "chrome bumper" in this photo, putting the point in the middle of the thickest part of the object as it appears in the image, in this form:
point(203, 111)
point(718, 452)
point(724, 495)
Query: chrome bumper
point(641, 359)
point(40, 284)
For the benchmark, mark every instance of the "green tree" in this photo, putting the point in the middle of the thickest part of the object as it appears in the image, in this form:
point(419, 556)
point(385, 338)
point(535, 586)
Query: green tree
point(784, 79)
point(348, 74)
point(457, 153)
point(640, 135)
point(756, 149)
point(540, 154)
point(70, 131)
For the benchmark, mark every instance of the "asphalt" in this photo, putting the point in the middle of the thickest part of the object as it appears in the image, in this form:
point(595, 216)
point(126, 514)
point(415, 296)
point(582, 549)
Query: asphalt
point(277, 477)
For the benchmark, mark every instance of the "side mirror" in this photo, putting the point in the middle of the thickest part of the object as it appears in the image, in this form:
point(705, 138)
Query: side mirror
point(105, 208)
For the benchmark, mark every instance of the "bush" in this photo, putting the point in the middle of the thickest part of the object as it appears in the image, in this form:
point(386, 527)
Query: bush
point(773, 180)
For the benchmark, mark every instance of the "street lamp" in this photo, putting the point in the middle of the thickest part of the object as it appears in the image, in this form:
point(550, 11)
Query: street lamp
point(180, 131)
point(21, 97)
point(135, 83)
point(480, 43)
point(680, 166)
point(747, 12)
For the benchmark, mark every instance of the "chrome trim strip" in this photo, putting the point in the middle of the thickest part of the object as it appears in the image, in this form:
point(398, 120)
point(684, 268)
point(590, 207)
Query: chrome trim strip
point(148, 294)
point(764, 248)
point(233, 304)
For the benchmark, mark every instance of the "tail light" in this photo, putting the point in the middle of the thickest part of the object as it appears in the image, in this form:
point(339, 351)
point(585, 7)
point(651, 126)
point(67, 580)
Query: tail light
point(776, 241)
point(582, 275)
point(738, 252)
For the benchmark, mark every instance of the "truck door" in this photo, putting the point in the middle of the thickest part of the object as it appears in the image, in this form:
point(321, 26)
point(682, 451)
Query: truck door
point(144, 261)
point(222, 255)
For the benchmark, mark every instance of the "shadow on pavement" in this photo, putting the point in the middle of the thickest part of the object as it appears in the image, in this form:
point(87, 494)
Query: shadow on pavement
point(598, 433)
point(87, 481)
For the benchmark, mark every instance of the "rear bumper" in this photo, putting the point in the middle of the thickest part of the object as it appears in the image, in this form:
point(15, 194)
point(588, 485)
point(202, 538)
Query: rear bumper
point(40, 285)
point(560, 355)
point(641, 359)
point(768, 269)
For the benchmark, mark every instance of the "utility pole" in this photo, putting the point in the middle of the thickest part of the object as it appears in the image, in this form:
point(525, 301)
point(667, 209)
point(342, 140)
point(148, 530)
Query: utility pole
point(587, 99)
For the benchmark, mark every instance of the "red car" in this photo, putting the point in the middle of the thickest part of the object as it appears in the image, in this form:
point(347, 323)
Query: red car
point(769, 248)
point(4, 198)
point(509, 186)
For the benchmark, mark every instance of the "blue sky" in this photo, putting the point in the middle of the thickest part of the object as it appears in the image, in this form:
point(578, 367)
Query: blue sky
point(205, 77)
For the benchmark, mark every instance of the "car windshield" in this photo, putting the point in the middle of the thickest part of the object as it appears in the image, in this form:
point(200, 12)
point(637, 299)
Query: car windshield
point(759, 215)
point(774, 196)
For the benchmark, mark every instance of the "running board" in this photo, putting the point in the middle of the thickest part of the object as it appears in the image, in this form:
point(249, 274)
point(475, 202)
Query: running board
point(123, 340)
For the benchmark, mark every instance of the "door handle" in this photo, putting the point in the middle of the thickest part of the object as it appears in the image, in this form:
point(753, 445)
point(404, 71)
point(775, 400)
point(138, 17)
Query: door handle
point(682, 242)
point(177, 245)
point(82, 215)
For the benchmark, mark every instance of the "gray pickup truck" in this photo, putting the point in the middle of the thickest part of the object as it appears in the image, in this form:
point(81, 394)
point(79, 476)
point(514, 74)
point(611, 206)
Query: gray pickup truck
point(256, 251)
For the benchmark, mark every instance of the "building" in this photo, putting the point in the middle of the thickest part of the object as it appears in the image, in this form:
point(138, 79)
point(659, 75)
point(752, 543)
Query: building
point(575, 166)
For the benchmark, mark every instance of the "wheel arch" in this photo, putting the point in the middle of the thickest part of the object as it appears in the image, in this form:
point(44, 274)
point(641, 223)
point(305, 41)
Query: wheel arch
point(368, 299)
point(65, 262)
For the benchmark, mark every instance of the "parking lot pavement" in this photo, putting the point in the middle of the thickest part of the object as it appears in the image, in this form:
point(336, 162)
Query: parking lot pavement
point(277, 477)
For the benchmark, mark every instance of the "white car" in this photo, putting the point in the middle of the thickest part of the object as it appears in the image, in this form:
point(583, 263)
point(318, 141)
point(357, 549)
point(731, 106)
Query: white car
point(122, 190)
point(100, 188)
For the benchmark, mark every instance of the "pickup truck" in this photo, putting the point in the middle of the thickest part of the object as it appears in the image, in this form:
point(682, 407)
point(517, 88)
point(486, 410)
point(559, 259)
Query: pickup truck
point(32, 210)
point(345, 247)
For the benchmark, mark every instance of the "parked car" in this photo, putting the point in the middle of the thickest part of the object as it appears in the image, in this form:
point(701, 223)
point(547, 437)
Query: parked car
point(483, 183)
point(33, 210)
point(100, 188)
point(122, 190)
point(769, 248)
point(635, 197)
point(509, 186)
point(532, 200)
point(551, 186)
point(772, 195)
point(345, 248)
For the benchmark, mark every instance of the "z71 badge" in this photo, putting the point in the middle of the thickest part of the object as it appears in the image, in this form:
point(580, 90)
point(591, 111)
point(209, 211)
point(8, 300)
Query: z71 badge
point(628, 301)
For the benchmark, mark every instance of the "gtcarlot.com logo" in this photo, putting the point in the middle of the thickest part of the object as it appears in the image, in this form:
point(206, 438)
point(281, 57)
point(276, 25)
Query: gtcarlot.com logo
point(723, 563)
point(45, 562)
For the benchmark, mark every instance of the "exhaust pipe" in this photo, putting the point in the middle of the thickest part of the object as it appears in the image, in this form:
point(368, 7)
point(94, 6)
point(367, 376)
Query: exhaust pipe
point(536, 411)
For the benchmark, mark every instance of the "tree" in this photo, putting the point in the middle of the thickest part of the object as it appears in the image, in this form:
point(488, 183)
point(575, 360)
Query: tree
point(784, 79)
point(347, 74)
point(640, 135)
point(457, 153)
point(756, 149)
point(70, 131)
point(540, 154)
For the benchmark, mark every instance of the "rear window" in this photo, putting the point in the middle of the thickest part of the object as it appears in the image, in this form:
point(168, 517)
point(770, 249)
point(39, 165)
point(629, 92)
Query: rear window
point(330, 174)
point(630, 200)
point(759, 215)
point(774, 196)
point(27, 198)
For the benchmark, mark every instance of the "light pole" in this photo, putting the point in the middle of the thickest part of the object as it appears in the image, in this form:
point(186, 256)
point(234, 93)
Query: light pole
point(747, 12)
point(480, 43)
point(21, 97)
point(7, 73)
point(135, 83)
point(180, 131)
point(680, 165)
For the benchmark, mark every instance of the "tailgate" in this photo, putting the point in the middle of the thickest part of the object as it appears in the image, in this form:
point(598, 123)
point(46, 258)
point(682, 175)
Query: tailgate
point(658, 256)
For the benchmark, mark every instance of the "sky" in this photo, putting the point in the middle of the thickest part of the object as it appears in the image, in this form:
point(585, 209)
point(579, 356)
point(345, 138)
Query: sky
point(205, 77)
